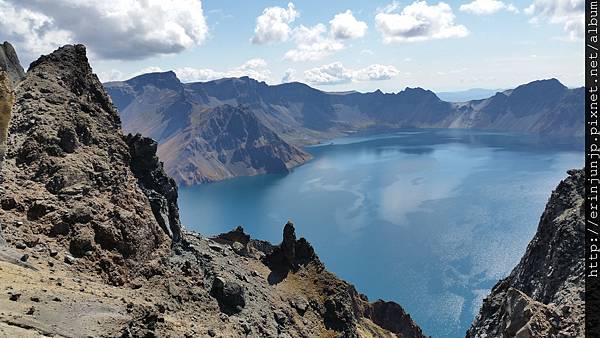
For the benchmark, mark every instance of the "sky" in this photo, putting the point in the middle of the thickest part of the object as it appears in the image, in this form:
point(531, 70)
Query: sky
point(333, 45)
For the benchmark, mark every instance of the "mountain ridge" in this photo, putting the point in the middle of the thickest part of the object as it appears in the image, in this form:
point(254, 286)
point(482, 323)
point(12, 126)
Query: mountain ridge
point(160, 106)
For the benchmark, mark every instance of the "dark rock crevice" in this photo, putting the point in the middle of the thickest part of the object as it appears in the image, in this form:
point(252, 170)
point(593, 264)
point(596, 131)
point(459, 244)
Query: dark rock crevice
point(160, 189)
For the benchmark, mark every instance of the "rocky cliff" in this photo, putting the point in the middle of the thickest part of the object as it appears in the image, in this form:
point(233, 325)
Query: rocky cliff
point(94, 245)
point(71, 173)
point(544, 294)
point(226, 142)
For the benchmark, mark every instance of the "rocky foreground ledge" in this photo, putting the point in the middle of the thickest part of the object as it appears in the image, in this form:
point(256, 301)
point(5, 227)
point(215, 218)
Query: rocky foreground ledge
point(228, 286)
point(94, 246)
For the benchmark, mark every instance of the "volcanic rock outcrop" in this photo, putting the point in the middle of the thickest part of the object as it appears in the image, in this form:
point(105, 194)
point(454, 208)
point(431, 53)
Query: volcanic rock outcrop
point(544, 294)
point(72, 173)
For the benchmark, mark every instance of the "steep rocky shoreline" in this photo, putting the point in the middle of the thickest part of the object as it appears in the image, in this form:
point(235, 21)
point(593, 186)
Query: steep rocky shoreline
point(544, 294)
point(94, 245)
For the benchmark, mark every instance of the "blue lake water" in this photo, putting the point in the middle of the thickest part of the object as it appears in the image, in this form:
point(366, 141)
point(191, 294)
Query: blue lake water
point(428, 218)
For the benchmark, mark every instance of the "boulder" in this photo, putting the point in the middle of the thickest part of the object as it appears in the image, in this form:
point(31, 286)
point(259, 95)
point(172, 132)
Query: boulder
point(229, 294)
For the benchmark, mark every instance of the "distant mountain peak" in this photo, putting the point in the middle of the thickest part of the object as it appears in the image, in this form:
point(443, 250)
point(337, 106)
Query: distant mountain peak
point(162, 80)
point(168, 75)
point(550, 89)
point(545, 84)
point(419, 93)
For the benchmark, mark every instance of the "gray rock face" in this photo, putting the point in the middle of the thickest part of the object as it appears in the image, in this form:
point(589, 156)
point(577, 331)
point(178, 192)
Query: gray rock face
point(225, 142)
point(6, 102)
point(229, 294)
point(9, 62)
point(544, 294)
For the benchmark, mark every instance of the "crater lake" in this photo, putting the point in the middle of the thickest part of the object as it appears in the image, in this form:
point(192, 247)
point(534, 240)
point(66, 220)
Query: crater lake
point(430, 219)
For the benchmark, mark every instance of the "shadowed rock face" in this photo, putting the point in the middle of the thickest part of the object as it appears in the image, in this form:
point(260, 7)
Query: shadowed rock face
point(392, 317)
point(160, 189)
point(543, 295)
point(9, 62)
point(291, 253)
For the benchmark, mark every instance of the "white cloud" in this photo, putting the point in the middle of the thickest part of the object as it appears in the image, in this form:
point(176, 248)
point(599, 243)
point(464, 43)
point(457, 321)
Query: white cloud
point(345, 26)
point(311, 44)
point(254, 68)
point(375, 72)
point(569, 13)
point(273, 24)
point(289, 76)
point(336, 73)
point(333, 73)
point(111, 29)
point(31, 32)
point(111, 75)
point(418, 22)
point(484, 7)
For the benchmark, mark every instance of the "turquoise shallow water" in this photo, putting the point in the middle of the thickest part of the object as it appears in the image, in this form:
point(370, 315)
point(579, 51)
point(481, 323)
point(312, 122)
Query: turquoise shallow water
point(428, 218)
